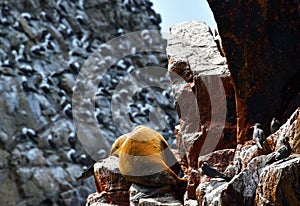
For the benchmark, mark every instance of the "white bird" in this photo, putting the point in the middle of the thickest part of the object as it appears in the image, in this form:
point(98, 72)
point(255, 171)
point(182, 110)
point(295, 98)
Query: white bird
point(258, 135)
point(275, 124)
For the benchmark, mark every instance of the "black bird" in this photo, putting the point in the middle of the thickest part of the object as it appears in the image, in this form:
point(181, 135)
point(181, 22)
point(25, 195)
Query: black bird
point(25, 84)
point(283, 152)
point(212, 172)
point(72, 140)
point(72, 156)
point(51, 142)
point(258, 135)
point(83, 159)
point(275, 124)
point(68, 111)
point(75, 67)
point(30, 133)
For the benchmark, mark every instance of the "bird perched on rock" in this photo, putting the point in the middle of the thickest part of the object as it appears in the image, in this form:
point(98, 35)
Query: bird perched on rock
point(258, 135)
point(72, 139)
point(275, 124)
point(68, 111)
point(283, 152)
point(145, 159)
point(30, 133)
point(51, 142)
point(212, 172)
point(72, 155)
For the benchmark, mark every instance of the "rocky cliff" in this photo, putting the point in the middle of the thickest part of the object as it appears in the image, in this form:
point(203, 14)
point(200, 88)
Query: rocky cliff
point(206, 96)
point(258, 39)
point(261, 43)
point(43, 45)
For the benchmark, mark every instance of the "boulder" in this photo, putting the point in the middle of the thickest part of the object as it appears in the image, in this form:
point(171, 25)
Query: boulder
point(110, 185)
point(279, 183)
point(200, 76)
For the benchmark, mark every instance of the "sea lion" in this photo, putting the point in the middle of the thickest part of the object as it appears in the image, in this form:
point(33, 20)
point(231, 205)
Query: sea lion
point(117, 144)
point(146, 159)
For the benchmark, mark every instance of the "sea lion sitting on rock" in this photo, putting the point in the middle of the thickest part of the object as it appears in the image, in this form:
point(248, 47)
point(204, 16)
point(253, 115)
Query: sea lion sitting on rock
point(146, 159)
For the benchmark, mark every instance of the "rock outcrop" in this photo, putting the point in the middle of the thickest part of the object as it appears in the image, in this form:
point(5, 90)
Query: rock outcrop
point(200, 76)
point(254, 179)
point(111, 186)
point(278, 182)
point(255, 182)
point(261, 43)
point(203, 93)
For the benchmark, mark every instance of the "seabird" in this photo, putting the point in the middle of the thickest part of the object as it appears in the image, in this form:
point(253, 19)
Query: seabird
point(283, 152)
point(68, 111)
point(130, 69)
point(258, 135)
point(275, 124)
point(26, 16)
point(75, 67)
point(30, 133)
point(80, 19)
point(83, 159)
point(38, 50)
point(26, 69)
point(120, 32)
point(25, 84)
point(72, 155)
point(212, 172)
point(51, 142)
point(45, 85)
point(72, 140)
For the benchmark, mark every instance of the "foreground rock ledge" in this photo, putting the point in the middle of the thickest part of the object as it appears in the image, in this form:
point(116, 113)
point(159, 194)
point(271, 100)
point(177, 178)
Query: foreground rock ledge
point(254, 182)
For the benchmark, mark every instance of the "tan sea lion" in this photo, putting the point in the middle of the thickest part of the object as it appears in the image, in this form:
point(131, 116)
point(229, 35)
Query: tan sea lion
point(146, 159)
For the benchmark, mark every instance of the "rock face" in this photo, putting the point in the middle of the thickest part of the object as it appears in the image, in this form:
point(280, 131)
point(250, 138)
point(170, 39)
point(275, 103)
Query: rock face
point(289, 129)
point(261, 42)
point(277, 182)
point(43, 45)
point(255, 182)
point(111, 186)
point(203, 93)
point(195, 74)
point(200, 77)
